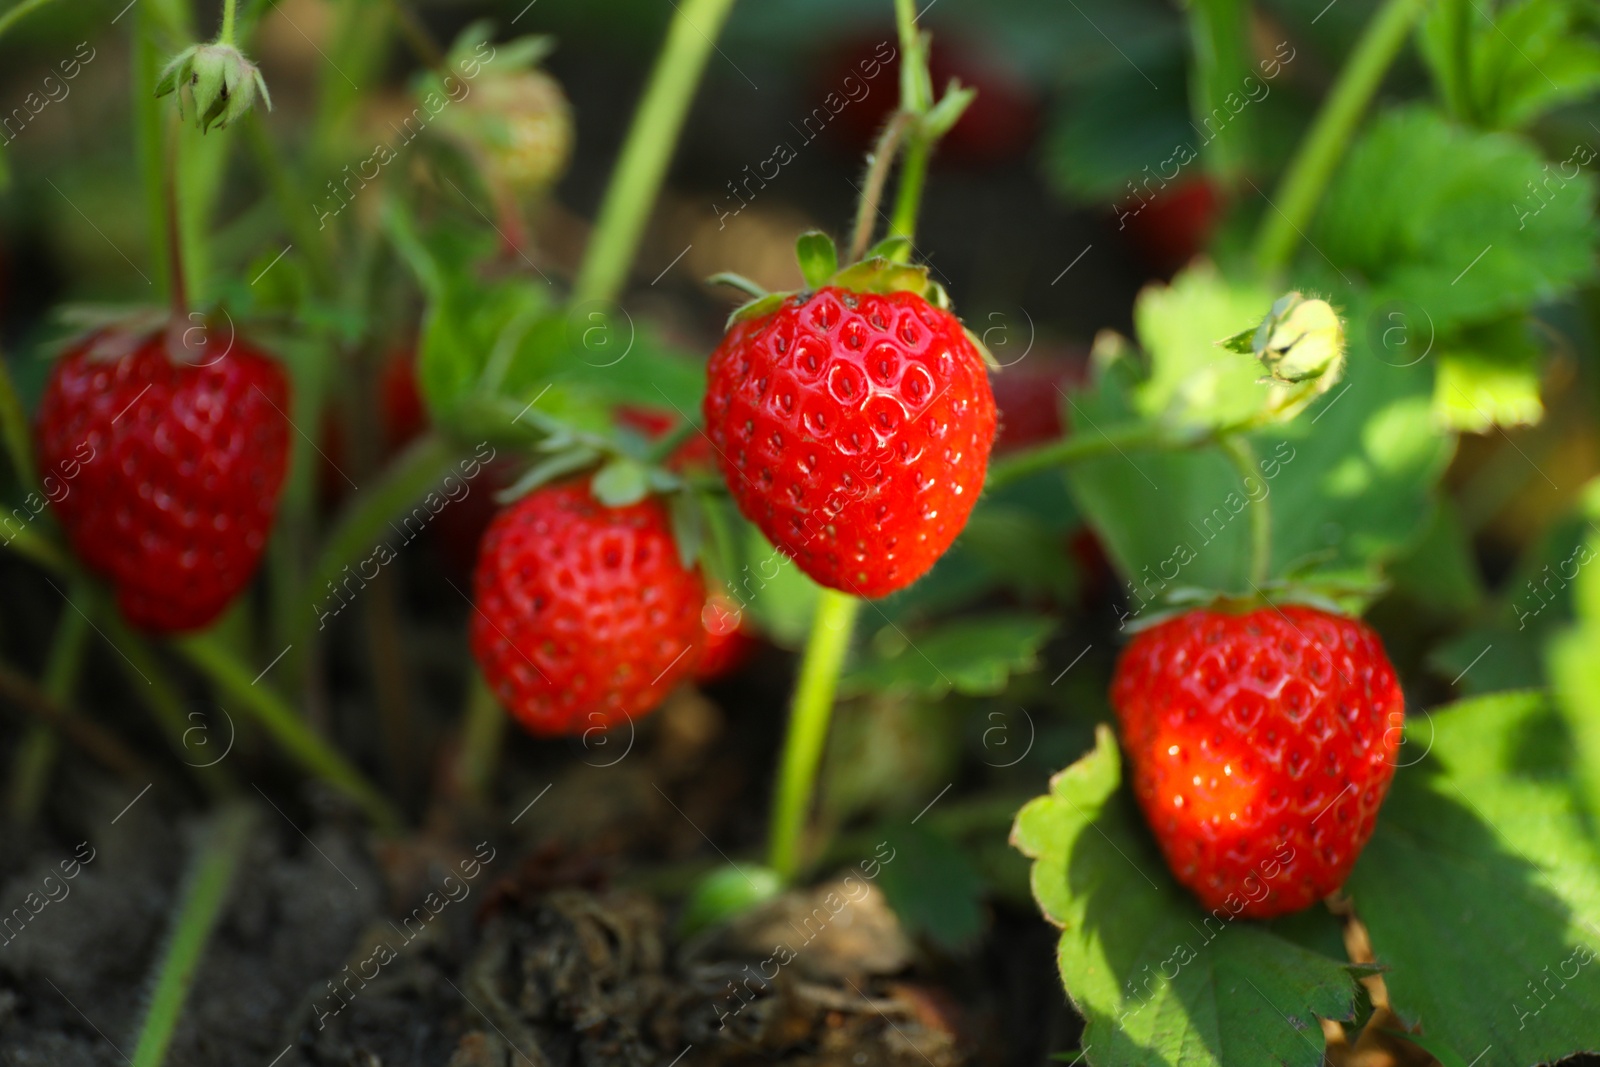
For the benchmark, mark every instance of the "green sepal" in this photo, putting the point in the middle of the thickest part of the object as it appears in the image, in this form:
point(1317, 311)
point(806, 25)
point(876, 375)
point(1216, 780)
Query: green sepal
point(621, 482)
point(557, 466)
point(1242, 342)
point(686, 511)
point(739, 282)
point(757, 308)
point(818, 256)
point(947, 112)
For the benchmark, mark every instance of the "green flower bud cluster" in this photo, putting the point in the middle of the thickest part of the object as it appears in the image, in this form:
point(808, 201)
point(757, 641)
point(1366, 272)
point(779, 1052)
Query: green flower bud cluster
point(214, 82)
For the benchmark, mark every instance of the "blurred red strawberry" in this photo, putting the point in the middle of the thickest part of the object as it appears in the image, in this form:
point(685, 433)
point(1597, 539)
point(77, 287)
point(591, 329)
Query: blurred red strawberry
point(861, 88)
point(1030, 395)
point(1174, 225)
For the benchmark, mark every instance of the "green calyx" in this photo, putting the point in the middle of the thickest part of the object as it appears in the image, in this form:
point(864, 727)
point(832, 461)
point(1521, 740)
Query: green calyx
point(881, 270)
point(214, 83)
point(1301, 345)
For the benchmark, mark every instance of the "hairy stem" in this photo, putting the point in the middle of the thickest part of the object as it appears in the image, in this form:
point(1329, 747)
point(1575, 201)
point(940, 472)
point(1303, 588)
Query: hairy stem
point(637, 175)
point(226, 36)
point(288, 729)
point(210, 875)
point(1079, 446)
point(1243, 458)
point(807, 734)
point(1324, 144)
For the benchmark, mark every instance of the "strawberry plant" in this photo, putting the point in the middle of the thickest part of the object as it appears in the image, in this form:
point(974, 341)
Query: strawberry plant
point(1123, 598)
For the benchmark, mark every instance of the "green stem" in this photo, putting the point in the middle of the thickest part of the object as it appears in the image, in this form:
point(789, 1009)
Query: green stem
point(286, 727)
point(226, 36)
point(1079, 446)
point(211, 873)
point(1314, 161)
point(808, 728)
point(148, 677)
point(916, 99)
point(482, 737)
point(14, 430)
point(638, 172)
point(908, 197)
point(292, 200)
point(17, 12)
point(365, 521)
point(27, 542)
point(36, 756)
point(1219, 32)
point(1243, 458)
point(146, 66)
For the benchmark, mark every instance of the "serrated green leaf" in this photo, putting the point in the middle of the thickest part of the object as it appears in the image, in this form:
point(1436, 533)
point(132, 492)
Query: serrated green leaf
point(1481, 885)
point(620, 483)
point(819, 259)
point(1157, 979)
point(1468, 245)
point(1502, 69)
point(1489, 377)
point(1193, 381)
point(973, 655)
point(1348, 484)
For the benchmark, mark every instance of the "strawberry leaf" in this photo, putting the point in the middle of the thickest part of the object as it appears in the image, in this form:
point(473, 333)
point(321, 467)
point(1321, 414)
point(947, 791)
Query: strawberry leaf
point(1481, 885)
point(1470, 244)
point(972, 655)
point(1157, 978)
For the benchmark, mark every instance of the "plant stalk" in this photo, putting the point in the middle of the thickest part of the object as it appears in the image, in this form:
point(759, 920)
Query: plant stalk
point(807, 734)
point(15, 432)
point(1243, 457)
point(36, 756)
point(211, 873)
point(640, 168)
point(1324, 144)
point(311, 752)
point(226, 36)
point(482, 737)
point(1079, 446)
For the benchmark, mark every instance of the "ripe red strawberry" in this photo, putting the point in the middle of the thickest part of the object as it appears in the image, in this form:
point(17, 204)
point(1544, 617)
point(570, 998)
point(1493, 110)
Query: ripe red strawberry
point(585, 614)
point(854, 429)
point(1261, 746)
point(174, 504)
